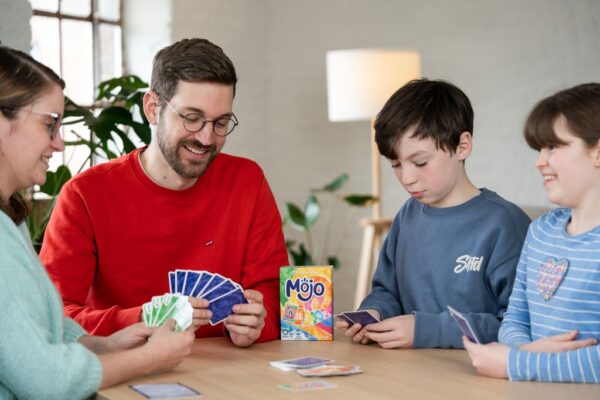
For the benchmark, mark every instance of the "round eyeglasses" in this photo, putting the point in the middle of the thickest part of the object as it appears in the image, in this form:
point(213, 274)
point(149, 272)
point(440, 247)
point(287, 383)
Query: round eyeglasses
point(194, 122)
point(54, 125)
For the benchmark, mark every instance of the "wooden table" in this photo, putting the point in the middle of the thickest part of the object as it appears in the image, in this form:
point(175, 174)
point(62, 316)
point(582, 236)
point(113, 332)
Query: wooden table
point(219, 370)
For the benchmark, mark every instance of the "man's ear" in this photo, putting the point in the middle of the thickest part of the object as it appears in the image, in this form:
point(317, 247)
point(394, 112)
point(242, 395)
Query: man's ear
point(151, 107)
point(465, 146)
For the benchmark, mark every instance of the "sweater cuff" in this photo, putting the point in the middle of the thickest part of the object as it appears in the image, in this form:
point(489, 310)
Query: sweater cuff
point(72, 331)
point(427, 330)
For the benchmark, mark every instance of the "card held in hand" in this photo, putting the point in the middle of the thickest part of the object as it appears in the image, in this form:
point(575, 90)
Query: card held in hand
point(464, 325)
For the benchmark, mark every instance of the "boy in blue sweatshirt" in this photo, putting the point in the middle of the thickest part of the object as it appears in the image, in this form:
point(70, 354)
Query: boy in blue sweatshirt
point(451, 243)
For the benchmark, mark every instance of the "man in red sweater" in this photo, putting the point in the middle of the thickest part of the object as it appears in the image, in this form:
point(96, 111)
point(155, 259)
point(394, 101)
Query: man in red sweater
point(118, 228)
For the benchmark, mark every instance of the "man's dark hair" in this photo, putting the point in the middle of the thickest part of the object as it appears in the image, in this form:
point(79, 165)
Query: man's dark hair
point(435, 109)
point(190, 60)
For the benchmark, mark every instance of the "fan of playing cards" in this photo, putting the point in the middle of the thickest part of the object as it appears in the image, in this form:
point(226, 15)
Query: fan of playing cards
point(222, 293)
point(157, 311)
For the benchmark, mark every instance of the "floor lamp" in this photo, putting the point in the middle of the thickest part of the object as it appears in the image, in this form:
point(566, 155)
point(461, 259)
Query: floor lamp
point(359, 82)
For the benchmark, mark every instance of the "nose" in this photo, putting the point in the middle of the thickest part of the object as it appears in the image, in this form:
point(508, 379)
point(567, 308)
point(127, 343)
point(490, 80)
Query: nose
point(58, 144)
point(542, 159)
point(407, 176)
point(205, 135)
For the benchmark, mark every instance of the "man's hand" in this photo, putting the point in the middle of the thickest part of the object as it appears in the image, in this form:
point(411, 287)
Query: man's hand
point(202, 314)
point(356, 332)
point(489, 359)
point(557, 343)
point(392, 333)
point(248, 320)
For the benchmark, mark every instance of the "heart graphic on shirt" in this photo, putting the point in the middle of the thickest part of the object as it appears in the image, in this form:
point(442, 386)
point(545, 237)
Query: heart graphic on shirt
point(550, 276)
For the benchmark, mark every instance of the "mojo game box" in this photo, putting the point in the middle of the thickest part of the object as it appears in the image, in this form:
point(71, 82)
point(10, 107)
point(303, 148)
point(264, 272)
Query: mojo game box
point(306, 303)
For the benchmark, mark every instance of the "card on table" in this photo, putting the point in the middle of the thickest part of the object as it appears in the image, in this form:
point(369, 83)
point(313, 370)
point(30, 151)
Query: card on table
point(330, 370)
point(359, 317)
point(295, 363)
point(165, 390)
point(464, 325)
point(305, 386)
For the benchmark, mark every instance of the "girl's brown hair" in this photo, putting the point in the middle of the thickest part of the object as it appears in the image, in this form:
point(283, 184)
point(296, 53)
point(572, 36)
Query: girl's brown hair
point(579, 105)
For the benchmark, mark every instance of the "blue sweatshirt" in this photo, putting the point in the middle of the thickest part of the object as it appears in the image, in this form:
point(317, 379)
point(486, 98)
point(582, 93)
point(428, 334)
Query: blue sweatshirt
point(463, 256)
point(557, 290)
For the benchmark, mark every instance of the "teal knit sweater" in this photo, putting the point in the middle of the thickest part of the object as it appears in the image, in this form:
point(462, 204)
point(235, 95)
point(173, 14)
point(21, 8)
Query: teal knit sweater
point(40, 357)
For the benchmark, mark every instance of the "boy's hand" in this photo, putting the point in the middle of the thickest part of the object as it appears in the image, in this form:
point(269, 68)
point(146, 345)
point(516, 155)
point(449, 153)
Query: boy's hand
point(356, 332)
point(392, 333)
point(557, 343)
point(489, 359)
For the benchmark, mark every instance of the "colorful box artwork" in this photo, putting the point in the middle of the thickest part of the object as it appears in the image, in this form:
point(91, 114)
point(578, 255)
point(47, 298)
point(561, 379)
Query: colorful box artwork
point(306, 303)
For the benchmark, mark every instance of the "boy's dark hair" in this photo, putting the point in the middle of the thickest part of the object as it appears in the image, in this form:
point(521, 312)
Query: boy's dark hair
point(22, 81)
point(579, 105)
point(436, 109)
point(190, 60)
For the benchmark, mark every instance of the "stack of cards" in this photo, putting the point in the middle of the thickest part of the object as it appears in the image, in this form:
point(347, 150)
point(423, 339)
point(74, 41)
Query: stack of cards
point(222, 293)
point(330, 370)
point(357, 317)
point(296, 363)
point(157, 311)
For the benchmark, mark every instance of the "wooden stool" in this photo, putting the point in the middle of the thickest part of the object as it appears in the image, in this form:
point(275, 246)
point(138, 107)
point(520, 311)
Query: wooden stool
point(374, 231)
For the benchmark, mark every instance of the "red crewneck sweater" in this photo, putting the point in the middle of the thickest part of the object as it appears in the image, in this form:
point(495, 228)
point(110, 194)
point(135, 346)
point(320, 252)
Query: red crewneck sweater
point(114, 235)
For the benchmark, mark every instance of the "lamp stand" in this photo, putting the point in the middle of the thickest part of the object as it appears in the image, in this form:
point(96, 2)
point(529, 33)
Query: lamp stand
point(374, 229)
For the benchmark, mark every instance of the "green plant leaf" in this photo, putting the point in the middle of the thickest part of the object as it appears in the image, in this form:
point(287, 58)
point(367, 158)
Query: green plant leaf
point(333, 261)
point(312, 210)
point(335, 184)
point(359, 200)
point(55, 180)
point(295, 216)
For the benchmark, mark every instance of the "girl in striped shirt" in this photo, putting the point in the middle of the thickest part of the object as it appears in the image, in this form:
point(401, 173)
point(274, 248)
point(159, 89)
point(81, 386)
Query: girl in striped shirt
point(551, 328)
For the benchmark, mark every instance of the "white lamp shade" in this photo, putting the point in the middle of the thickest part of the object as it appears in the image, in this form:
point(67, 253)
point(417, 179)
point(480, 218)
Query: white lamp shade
point(359, 82)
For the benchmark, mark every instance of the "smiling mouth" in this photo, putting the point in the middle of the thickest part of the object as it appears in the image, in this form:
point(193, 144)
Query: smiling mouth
point(195, 150)
point(549, 178)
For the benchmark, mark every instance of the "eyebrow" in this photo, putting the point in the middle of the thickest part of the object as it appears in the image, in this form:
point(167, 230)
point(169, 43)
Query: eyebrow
point(416, 153)
point(195, 110)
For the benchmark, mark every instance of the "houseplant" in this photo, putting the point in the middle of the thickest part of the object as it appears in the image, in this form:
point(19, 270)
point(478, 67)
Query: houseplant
point(323, 250)
point(116, 114)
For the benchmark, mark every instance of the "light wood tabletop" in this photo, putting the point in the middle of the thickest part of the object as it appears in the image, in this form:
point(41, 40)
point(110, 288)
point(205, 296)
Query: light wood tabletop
point(219, 370)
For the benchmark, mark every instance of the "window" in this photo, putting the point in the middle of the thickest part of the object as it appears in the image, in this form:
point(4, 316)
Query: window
point(82, 41)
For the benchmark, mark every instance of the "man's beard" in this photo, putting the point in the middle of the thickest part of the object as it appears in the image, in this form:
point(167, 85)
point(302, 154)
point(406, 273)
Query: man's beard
point(193, 169)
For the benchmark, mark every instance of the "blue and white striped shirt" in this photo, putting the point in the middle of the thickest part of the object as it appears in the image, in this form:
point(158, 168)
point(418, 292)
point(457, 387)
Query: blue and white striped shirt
point(556, 290)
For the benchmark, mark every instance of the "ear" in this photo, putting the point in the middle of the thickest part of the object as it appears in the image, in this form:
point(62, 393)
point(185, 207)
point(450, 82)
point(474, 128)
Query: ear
point(596, 154)
point(465, 146)
point(151, 107)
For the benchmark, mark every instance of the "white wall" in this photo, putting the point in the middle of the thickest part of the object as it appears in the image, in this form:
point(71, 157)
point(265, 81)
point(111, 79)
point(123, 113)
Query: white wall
point(15, 30)
point(147, 29)
point(504, 54)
